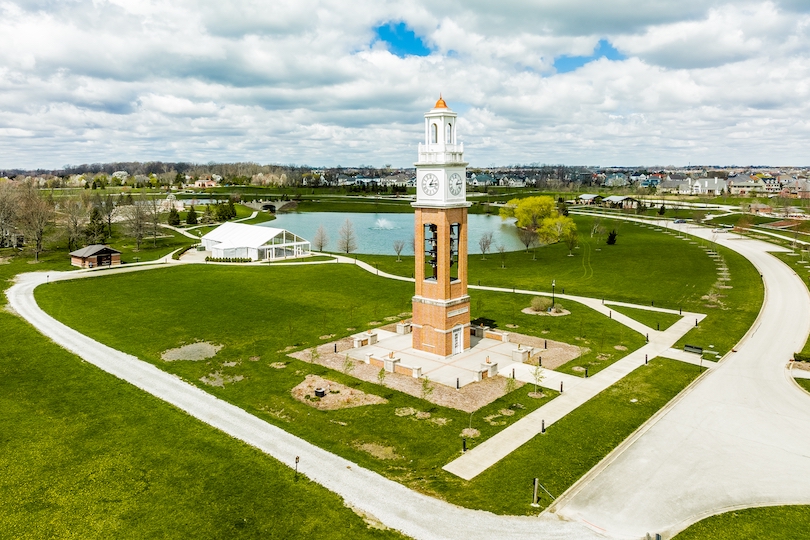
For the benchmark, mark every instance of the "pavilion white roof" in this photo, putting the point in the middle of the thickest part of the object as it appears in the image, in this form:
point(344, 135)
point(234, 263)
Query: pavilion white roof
point(233, 235)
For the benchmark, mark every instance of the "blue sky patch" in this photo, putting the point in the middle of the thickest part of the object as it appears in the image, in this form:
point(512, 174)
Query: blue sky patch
point(564, 64)
point(401, 40)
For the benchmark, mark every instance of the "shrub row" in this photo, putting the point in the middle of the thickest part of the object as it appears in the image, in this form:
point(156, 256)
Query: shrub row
point(228, 259)
point(801, 357)
point(177, 254)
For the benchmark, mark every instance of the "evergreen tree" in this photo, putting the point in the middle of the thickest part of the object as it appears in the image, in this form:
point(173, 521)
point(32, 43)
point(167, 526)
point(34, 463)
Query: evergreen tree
point(95, 230)
point(222, 213)
point(191, 217)
point(208, 216)
point(174, 217)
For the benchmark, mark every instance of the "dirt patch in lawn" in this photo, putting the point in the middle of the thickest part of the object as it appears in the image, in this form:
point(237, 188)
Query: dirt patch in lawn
point(200, 350)
point(561, 313)
point(217, 378)
point(378, 451)
point(338, 396)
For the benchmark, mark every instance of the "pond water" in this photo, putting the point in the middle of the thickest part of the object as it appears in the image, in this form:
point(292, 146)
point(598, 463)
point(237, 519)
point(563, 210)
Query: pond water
point(376, 233)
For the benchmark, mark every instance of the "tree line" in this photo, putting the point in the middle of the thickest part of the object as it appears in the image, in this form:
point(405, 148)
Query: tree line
point(30, 216)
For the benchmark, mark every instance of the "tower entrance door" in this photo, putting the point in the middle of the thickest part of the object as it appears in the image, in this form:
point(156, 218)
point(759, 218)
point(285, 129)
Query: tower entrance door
point(458, 340)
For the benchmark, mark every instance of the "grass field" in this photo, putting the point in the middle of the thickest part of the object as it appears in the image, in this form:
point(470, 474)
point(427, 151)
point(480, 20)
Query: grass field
point(85, 455)
point(355, 204)
point(163, 310)
point(804, 383)
point(596, 269)
point(596, 335)
point(652, 319)
point(247, 329)
point(156, 319)
point(771, 522)
point(313, 258)
point(631, 271)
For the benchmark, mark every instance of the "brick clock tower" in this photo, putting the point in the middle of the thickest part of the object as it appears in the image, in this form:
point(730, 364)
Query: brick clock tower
point(441, 306)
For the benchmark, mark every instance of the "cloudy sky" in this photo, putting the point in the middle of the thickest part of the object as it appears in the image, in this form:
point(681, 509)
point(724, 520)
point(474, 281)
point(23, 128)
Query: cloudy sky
point(328, 82)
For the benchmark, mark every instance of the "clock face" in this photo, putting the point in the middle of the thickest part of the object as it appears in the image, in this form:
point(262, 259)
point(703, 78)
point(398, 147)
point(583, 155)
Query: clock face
point(456, 184)
point(430, 184)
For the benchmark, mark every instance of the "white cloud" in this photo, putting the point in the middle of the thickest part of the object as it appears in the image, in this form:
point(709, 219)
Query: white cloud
point(303, 82)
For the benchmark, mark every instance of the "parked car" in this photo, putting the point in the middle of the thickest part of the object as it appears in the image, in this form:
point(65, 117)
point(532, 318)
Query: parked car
point(679, 221)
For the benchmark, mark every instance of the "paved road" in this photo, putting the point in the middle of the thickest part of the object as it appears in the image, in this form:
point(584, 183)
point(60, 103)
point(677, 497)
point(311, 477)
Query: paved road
point(395, 505)
point(738, 438)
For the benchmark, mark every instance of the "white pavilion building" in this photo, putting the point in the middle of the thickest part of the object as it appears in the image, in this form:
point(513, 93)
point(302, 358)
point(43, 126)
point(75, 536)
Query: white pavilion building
point(237, 240)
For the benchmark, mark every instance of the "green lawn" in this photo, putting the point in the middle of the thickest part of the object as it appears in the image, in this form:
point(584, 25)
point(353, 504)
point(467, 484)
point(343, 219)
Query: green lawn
point(804, 383)
point(85, 455)
point(771, 522)
point(653, 319)
point(262, 320)
point(732, 219)
point(596, 335)
point(355, 204)
point(313, 258)
point(633, 270)
point(644, 266)
point(151, 249)
point(156, 319)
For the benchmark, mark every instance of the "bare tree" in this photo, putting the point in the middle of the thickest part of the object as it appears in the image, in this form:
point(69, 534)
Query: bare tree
point(346, 239)
point(502, 250)
point(107, 207)
point(137, 223)
point(35, 215)
point(527, 237)
point(596, 227)
point(399, 245)
point(538, 376)
point(321, 239)
point(76, 211)
point(153, 216)
point(485, 243)
point(8, 211)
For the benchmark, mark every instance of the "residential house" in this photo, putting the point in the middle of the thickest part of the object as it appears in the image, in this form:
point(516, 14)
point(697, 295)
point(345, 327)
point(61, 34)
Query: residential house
point(745, 185)
point(616, 180)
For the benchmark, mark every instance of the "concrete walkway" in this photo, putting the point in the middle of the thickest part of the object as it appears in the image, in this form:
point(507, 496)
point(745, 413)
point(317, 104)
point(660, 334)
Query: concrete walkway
point(737, 438)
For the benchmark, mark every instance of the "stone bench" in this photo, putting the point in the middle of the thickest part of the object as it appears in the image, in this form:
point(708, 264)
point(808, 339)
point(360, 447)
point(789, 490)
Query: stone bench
point(361, 340)
point(522, 354)
point(498, 336)
point(393, 365)
point(486, 371)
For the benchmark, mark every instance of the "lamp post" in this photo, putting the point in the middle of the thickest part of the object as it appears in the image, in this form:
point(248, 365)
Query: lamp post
point(553, 284)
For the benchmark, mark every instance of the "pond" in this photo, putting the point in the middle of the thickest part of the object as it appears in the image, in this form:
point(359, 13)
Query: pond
point(376, 233)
